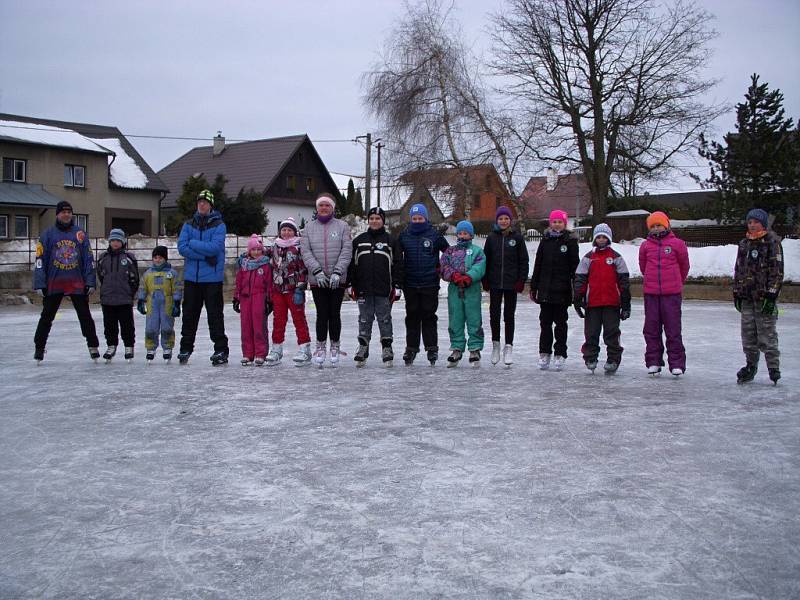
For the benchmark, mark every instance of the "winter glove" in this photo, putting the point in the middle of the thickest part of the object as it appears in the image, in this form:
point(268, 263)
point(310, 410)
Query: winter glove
point(236, 308)
point(624, 314)
point(267, 307)
point(299, 296)
point(466, 281)
point(534, 295)
point(335, 280)
point(89, 290)
point(141, 306)
point(519, 286)
point(737, 303)
point(395, 295)
point(353, 293)
point(322, 279)
point(579, 310)
point(211, 260)
point(42, 292)
point(768, 307)
point(176, 309)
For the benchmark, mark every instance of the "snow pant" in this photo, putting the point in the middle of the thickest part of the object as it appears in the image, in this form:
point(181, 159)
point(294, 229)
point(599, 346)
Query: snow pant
point(553, 314)
point(116, 319)
point(464, 308)
point(496, 299)
point(329, 312)
point(421, 305)
point(254, 326)
point(195, 295)
point(282, 305)
point(50, 305)
point(159, 323)
point(605, 319)
point(663, 313)
point(759, 334)
point(371, 308)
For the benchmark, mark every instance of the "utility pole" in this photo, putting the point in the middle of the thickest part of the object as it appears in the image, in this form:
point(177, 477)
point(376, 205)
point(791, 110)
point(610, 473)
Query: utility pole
point(379, 145)
point(368, 178)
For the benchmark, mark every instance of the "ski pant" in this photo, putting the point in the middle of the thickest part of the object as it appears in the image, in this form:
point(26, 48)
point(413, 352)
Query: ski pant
point(464, 308)
point(509, 299)
point(553, 314)
point(195, 295)
point(282, 305)
point(159, 323)
point(329, 312)
point(663, 313)
point(421, 305)
point(118, 319)
point(605, 319)
point(50, 305)
point(254, 326)
point(759, 334)
point(371, 308)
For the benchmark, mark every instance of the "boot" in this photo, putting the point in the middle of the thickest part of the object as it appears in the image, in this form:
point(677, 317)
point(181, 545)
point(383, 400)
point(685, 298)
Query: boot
point(94, 354)
point(558, 362)
point(303, 356)
point(320, 354)
point(219, 358)
point(508, 358)
point(129, 353)
point(591, 365)
point(475, 357)
point(275, 355)
point(38, 354)
point(774, 375)
point(362, 353)
point(151, 354)
point(246, 362)
point(409, 355)
point(610, 367)
point(387, 356)
point(454, 358)
point(433, 355)
point(747, 373)
point(183, 356)
point(653, 370)
point(495, 352)
point(259, 361)
point(109, 353)
point(544, 361)
point(167, 355)
point(677, 372)
point(335, 352)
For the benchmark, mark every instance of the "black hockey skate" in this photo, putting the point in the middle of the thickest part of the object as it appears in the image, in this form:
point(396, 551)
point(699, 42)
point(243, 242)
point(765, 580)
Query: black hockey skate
point(747, 373)
point(129, 353)
point(475, 358)
point(409, 355)
point(151, 354)
point(362, 353)
point(94, 354)
point(38, 355)
point(591, 365)
point(387, 354)
point(110, 352)
point(219, 358)
point(183, 356)
point(454, 358)
point(774, 375)
point(167, 356)
point(433, 356)
point(610, 368)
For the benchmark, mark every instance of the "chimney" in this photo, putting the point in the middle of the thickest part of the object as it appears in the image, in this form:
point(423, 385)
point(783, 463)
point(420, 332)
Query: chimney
point(552, 179)
point(219, 144)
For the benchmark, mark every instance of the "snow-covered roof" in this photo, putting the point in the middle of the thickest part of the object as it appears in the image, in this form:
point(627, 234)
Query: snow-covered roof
point(123, 170)
point(628, 213)
point(444, 197)
point(47, 135)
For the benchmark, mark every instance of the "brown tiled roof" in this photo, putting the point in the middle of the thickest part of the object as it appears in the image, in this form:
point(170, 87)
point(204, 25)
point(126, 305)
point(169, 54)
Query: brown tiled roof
point(245, 164)
point(569, 190)
point(154, 183)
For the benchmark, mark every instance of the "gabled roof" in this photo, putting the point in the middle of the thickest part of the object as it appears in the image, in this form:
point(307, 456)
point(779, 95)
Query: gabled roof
point(128, 170)
point(246, 165)
point(569, 189)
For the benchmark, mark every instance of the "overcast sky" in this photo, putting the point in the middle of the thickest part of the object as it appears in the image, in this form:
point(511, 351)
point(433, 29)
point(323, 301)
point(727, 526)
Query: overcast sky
point(264, 69)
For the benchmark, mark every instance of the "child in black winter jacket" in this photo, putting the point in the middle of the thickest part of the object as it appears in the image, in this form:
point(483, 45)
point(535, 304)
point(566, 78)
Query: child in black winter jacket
point(118, 273)
point(506, 271)
point(551, 287)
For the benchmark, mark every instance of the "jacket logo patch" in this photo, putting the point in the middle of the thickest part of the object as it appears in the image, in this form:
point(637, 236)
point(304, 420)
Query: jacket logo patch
point(334, 234)
point(380, 245)
point(427, 243)
point(81, 236)
point(609, 261)
point(38, 263)
point(169, 276)
point(667, 250)
point(260, 271)
point(754, 253)
point(563, 248)
point(512, 243)
point(469, 251)
point(124, 262)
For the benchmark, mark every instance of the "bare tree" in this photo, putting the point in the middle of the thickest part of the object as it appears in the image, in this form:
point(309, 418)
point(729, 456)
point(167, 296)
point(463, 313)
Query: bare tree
point(614, 83)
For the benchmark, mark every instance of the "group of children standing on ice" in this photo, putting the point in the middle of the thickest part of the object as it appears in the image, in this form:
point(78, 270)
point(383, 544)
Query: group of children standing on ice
point(377, 266)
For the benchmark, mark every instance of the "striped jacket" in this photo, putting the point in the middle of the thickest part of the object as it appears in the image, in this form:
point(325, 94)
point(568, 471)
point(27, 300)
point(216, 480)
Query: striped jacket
point(326, 247)
point(377, 264)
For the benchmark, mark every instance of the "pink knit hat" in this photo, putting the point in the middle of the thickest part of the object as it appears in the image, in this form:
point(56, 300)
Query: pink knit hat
point(559, 214)
point(325, 199)
point(254, 242)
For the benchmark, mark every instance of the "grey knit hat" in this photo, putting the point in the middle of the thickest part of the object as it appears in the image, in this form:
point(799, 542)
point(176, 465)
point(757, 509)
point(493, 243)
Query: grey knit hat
point(119, 235)
point(602, 229)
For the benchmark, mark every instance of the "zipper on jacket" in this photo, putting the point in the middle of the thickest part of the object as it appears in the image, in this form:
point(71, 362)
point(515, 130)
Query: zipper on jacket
point(659, 265)
point(502, 261)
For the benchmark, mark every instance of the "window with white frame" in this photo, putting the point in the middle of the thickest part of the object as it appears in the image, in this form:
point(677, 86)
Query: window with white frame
point(22, 226)
point(14, 169)
point(82, 221)
point(3, 226)
point(74, 176)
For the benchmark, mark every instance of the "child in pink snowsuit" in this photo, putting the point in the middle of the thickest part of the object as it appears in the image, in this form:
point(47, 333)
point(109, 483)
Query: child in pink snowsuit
point(664, 263)
point(253, 300)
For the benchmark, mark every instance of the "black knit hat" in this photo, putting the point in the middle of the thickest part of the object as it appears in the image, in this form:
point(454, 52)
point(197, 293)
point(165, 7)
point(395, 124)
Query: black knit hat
point(63, 205)
point(376, 210)
point(160, 251)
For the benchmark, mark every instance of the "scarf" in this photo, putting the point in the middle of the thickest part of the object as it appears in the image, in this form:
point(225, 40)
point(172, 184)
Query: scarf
point(464, 243)
point(323, 220)
point(292, 241)
point(659, 235)
point(251, 264)
point(417, 228)
point(757, 236)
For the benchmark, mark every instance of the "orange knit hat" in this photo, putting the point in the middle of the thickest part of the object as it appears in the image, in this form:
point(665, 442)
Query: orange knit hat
point(658, 218)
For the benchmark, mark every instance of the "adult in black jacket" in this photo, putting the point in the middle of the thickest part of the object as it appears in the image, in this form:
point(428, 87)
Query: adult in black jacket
point(376, 275)
point(506, 271)
point(551, 287)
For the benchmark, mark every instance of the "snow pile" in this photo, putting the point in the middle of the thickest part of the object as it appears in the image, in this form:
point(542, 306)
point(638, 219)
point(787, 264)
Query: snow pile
point(123, 169)
point(628, 213)
point(680, 223)
point(36, 133)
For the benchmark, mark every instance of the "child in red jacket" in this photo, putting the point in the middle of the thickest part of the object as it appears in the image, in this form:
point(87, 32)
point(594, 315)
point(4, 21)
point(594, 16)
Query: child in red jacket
point(664, 263)
point(602, 288)
point(253, 300)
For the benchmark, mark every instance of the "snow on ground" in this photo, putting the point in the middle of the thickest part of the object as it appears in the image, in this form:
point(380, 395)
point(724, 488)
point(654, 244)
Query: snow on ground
point(37, 133)
point(123, 169)
point(130, 481)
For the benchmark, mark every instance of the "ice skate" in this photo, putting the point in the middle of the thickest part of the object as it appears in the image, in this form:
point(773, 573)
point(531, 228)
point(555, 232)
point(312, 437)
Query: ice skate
point(495, 352)
point(591, 365)
point(275, 355)
point(335, 353)
point(151, 354)
point(409, 355)
point(433, 356)
point(362, 353)
point(508, 355)
point(475, 358)
point(387, 354)
point(544, 362)
point(129, 354)
point(677, 372)
point(653, 370)
point(219, 358)
point(319, 355)
point(246, 362)
point(259, 361)
point(454, 358)
point(303, 356)
point(774, 376)
point(558, 363)
point(747, 373)
point(183, 356)
point(167, 356)
point(610, 367)
point(94, 354)
point(109, 353)
point(38, 355)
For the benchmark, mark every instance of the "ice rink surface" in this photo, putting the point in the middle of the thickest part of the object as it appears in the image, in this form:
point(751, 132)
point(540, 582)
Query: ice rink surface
point(129, 481)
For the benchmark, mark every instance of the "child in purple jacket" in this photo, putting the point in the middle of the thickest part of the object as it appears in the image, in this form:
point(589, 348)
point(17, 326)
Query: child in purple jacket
point(664, 263)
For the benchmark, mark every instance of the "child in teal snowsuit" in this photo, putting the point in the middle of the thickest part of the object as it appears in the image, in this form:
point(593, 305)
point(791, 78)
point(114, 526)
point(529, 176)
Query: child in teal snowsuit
point(464, 265)
point(160, 299)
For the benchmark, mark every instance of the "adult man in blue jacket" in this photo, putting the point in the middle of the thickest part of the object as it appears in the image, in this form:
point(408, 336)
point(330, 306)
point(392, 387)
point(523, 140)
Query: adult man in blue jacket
point(202, 244)
point(421, 244)
point(64, 267)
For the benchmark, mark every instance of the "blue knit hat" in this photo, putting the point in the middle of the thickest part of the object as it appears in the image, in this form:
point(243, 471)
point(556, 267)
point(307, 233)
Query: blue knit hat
point(418, 209)
point(119, 235)
point(465, 226)
point(759, 215)
point(602, 229)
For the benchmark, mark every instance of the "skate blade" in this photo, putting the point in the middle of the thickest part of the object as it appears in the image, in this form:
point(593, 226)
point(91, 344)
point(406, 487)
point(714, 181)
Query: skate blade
point(388, 364)
point(361, 364)
point(452, 365)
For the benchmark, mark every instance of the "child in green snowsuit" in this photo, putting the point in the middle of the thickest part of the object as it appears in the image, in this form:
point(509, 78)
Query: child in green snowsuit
point(464, 265)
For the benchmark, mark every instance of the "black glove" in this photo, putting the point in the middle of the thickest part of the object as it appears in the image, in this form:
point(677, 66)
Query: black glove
point(176, 308)
point(737, 303)
point(267, 307)
point(624, 313)
point(141, 306)
point(236, 306)
point(211, 260)
point(768, 307)
point(579, 310)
